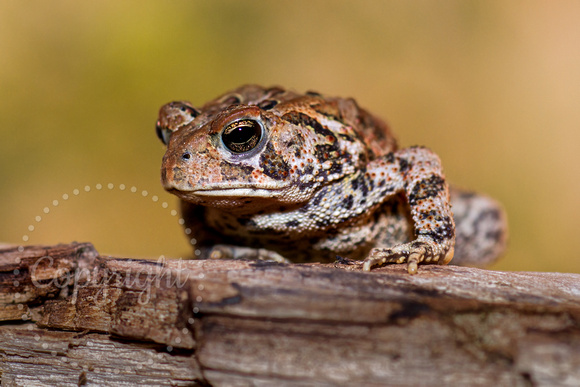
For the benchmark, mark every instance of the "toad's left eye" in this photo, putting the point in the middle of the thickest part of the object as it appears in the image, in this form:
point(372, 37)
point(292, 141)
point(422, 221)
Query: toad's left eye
point(242, 136)
point(163, 133)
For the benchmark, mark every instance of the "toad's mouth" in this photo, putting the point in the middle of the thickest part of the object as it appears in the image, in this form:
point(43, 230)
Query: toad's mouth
point(209, 192)
point(237, 192)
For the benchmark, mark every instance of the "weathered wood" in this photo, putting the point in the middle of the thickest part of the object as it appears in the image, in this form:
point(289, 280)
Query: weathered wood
point(102, 321)
point(40, 357)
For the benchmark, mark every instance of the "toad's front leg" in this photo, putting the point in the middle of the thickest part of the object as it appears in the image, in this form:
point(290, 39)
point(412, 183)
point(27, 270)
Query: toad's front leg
point(418, 174)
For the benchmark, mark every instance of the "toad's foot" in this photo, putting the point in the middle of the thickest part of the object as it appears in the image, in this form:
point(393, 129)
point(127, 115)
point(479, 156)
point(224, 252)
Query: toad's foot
point(413, 253)
point(241, 252)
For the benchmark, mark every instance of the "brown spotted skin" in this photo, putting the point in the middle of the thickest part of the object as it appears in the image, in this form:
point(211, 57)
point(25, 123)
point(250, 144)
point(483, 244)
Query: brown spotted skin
point(269, 173)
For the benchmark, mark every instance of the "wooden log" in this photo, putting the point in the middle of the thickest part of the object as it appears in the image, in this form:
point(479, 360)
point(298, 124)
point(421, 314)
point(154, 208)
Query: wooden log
point(74, 317)
point(41, 357)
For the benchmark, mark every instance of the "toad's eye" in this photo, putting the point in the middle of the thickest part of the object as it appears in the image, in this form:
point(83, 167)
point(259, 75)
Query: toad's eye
point(163, 133)
point(173, 116)
point(242, 136)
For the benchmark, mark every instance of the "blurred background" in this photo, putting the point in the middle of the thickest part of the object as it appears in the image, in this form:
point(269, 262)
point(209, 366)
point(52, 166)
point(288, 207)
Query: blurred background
point(492, 86)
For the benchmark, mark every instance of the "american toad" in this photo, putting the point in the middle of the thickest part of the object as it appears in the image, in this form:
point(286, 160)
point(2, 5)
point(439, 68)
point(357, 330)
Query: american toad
point(270, 173)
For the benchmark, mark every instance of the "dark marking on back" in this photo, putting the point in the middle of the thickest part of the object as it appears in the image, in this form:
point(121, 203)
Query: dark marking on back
point(404, 165)
point(301, 119)
point(267, 104)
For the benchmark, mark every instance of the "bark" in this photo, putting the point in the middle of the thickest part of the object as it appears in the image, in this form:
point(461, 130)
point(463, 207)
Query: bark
point(73, 317)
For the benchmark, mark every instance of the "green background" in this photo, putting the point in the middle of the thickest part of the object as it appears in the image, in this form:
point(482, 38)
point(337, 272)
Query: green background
point(492, 86)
